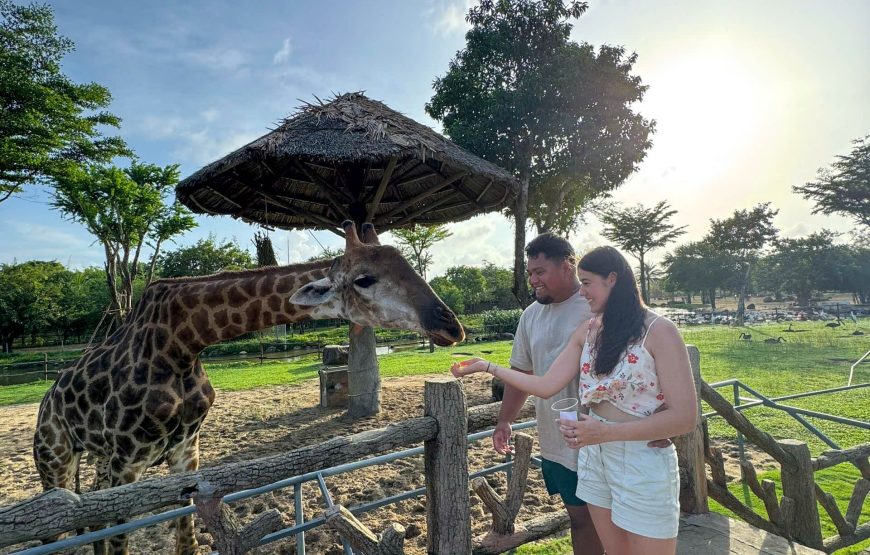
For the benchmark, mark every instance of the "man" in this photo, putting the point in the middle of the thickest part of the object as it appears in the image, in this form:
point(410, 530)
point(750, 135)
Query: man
point(544, 329)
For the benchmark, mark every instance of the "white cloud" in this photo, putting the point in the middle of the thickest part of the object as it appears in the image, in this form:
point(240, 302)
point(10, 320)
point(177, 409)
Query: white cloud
point(282, 55)
point(220, 59)
point(448, 16)
point(210, 114)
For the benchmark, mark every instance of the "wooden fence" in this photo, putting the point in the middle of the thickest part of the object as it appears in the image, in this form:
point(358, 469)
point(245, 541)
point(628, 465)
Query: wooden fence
point(443, 430)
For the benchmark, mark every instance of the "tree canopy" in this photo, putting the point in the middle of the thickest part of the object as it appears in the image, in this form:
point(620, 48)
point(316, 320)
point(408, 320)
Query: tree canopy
point(844, 188)
point(414, 243)
point(638, 230)
point(203, 258)
point(741, 237)
point(48, 122)
point(555, 113)
point(126, 210)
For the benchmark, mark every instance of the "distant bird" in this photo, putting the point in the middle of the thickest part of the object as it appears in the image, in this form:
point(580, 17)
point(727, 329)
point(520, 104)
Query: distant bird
point(857, 332)
point(789, 328)
point(833, 325)
point(771, 340)
point(745, 337)
point(854, 319)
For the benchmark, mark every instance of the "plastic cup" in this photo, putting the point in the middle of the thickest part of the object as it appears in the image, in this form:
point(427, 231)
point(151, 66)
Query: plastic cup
point(567, 408)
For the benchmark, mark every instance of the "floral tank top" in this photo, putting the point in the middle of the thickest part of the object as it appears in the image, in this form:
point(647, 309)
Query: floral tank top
point(632, 386)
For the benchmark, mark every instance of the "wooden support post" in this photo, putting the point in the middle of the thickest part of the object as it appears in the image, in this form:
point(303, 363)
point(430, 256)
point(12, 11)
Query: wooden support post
point(230, 538)
point(690, 452)
point(363, 377)
point(445, 463)
point(827, 501)
point(538, 528)
point(853, 512)
point(363, 540)
point(504, 512)
point(766, 493)
point(799, 486)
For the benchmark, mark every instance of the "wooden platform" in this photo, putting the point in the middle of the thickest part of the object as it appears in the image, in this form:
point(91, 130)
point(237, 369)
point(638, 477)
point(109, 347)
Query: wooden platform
point(714, 534)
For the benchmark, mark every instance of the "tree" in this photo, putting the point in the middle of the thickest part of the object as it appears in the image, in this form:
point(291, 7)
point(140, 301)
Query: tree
point(697, 266)
point(498, 285)
point(806, 264)
point(844, 188)
point(265, 252)
point(854, 263)
point(470, 281)
point(449, 293)
point(48, 122)
point(204, 258)
point(639, 230)
point(30, 297)
point(742, 237)
point(414, 243)
point(125, 209)
point(328, 254)
point(556, 114)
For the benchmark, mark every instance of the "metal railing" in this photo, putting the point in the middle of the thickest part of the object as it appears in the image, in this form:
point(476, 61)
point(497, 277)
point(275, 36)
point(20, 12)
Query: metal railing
point(857, 362)
point(301, 525)
point(744, 403)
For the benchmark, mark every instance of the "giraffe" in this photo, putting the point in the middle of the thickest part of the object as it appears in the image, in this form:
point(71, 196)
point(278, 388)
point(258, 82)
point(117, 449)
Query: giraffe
point(138, 399)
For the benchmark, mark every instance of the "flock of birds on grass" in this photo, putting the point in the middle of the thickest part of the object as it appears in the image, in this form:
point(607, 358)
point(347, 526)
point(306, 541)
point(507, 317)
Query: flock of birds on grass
point(774, 340)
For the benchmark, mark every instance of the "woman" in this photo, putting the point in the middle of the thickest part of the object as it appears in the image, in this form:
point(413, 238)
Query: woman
point(629, 362)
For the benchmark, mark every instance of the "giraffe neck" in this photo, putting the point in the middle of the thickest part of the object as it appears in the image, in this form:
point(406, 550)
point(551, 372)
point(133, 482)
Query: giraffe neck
point(203, 311)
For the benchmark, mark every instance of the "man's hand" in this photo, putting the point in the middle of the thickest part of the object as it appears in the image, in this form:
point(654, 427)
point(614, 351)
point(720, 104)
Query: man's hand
point(501, 439)
point(660, 443)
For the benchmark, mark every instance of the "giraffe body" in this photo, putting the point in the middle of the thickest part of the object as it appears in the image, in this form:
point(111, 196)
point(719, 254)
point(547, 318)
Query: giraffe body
point(139, 398)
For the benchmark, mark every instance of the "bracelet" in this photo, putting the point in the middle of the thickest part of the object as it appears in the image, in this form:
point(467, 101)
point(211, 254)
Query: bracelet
point(488, 364)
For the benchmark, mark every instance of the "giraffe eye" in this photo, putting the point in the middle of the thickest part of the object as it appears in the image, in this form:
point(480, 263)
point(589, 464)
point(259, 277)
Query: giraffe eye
point(365, 281)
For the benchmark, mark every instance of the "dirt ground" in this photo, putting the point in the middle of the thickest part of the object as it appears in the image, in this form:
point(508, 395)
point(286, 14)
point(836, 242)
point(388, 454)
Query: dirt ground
point(250, 424)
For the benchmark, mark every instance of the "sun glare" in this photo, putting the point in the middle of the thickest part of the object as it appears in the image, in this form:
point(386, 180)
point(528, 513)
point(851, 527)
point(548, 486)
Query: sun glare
point(708, 107)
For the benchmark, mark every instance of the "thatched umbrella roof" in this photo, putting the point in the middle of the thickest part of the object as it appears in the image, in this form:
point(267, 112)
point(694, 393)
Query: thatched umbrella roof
point(351, 158)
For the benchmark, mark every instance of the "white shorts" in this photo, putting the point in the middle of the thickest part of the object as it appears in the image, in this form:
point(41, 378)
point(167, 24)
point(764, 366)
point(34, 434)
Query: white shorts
point(639, 484)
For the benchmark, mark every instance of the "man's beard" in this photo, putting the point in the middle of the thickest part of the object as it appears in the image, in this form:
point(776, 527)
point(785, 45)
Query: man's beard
point(545, 299)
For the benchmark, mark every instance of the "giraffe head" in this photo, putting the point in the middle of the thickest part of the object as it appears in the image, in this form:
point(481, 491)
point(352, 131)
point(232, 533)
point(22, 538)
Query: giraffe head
point(373, 285)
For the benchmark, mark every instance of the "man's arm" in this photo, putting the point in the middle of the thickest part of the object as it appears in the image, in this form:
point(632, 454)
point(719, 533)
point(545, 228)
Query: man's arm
point(511, 404)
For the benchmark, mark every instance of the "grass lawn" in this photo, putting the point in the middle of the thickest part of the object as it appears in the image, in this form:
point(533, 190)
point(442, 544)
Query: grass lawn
point(813, 357)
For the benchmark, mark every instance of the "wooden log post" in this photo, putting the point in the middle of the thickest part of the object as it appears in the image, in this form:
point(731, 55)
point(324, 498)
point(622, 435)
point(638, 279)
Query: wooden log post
point(690, 452)
point(363, 540)
point(363, 377)
point(230, 537)
point(799, 486)
point(445, 463)
point(504, 511)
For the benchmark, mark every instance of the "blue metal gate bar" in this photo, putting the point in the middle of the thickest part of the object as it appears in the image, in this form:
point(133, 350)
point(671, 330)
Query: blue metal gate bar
point(295, 481)
point(329, 504)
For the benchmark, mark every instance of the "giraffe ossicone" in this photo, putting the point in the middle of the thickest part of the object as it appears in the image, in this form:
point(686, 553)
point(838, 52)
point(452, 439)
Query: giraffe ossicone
point(140, 397)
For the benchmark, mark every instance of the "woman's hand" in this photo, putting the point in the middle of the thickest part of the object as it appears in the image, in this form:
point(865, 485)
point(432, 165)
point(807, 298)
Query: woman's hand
point(583, 432)
point(470, 366)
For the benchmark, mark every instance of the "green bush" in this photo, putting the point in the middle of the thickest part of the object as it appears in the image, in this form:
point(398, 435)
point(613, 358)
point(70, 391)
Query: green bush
point(501, 321)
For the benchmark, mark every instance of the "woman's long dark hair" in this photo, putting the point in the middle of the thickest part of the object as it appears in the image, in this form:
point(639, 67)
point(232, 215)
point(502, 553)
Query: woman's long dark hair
point(622, 321)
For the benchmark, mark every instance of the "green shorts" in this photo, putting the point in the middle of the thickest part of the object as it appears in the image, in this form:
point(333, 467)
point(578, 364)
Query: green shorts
point(561, 480)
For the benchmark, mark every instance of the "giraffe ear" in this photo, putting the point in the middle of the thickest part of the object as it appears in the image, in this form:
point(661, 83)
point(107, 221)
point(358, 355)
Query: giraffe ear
point(314, 293)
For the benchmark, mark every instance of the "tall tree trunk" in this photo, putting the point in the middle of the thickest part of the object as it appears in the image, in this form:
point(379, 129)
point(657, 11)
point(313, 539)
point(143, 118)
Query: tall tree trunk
point(644, 294)
point(363, 378)
point(741, 300)
point(521, 211)
point(712, 295)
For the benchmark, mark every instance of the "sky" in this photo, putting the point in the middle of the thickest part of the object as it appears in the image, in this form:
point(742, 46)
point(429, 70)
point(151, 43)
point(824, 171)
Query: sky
point(750, 98)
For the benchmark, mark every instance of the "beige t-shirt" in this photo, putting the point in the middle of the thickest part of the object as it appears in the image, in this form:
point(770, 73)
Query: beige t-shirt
point(542, 334)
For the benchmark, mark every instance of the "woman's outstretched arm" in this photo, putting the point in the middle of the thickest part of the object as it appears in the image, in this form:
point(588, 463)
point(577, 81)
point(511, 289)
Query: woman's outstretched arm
point(561, 372)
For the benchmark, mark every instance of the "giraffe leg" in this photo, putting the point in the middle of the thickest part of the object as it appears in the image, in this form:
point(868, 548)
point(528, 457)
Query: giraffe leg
point(102, 480)
point(185, 457)
point(121, 473)
point(56, 460)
